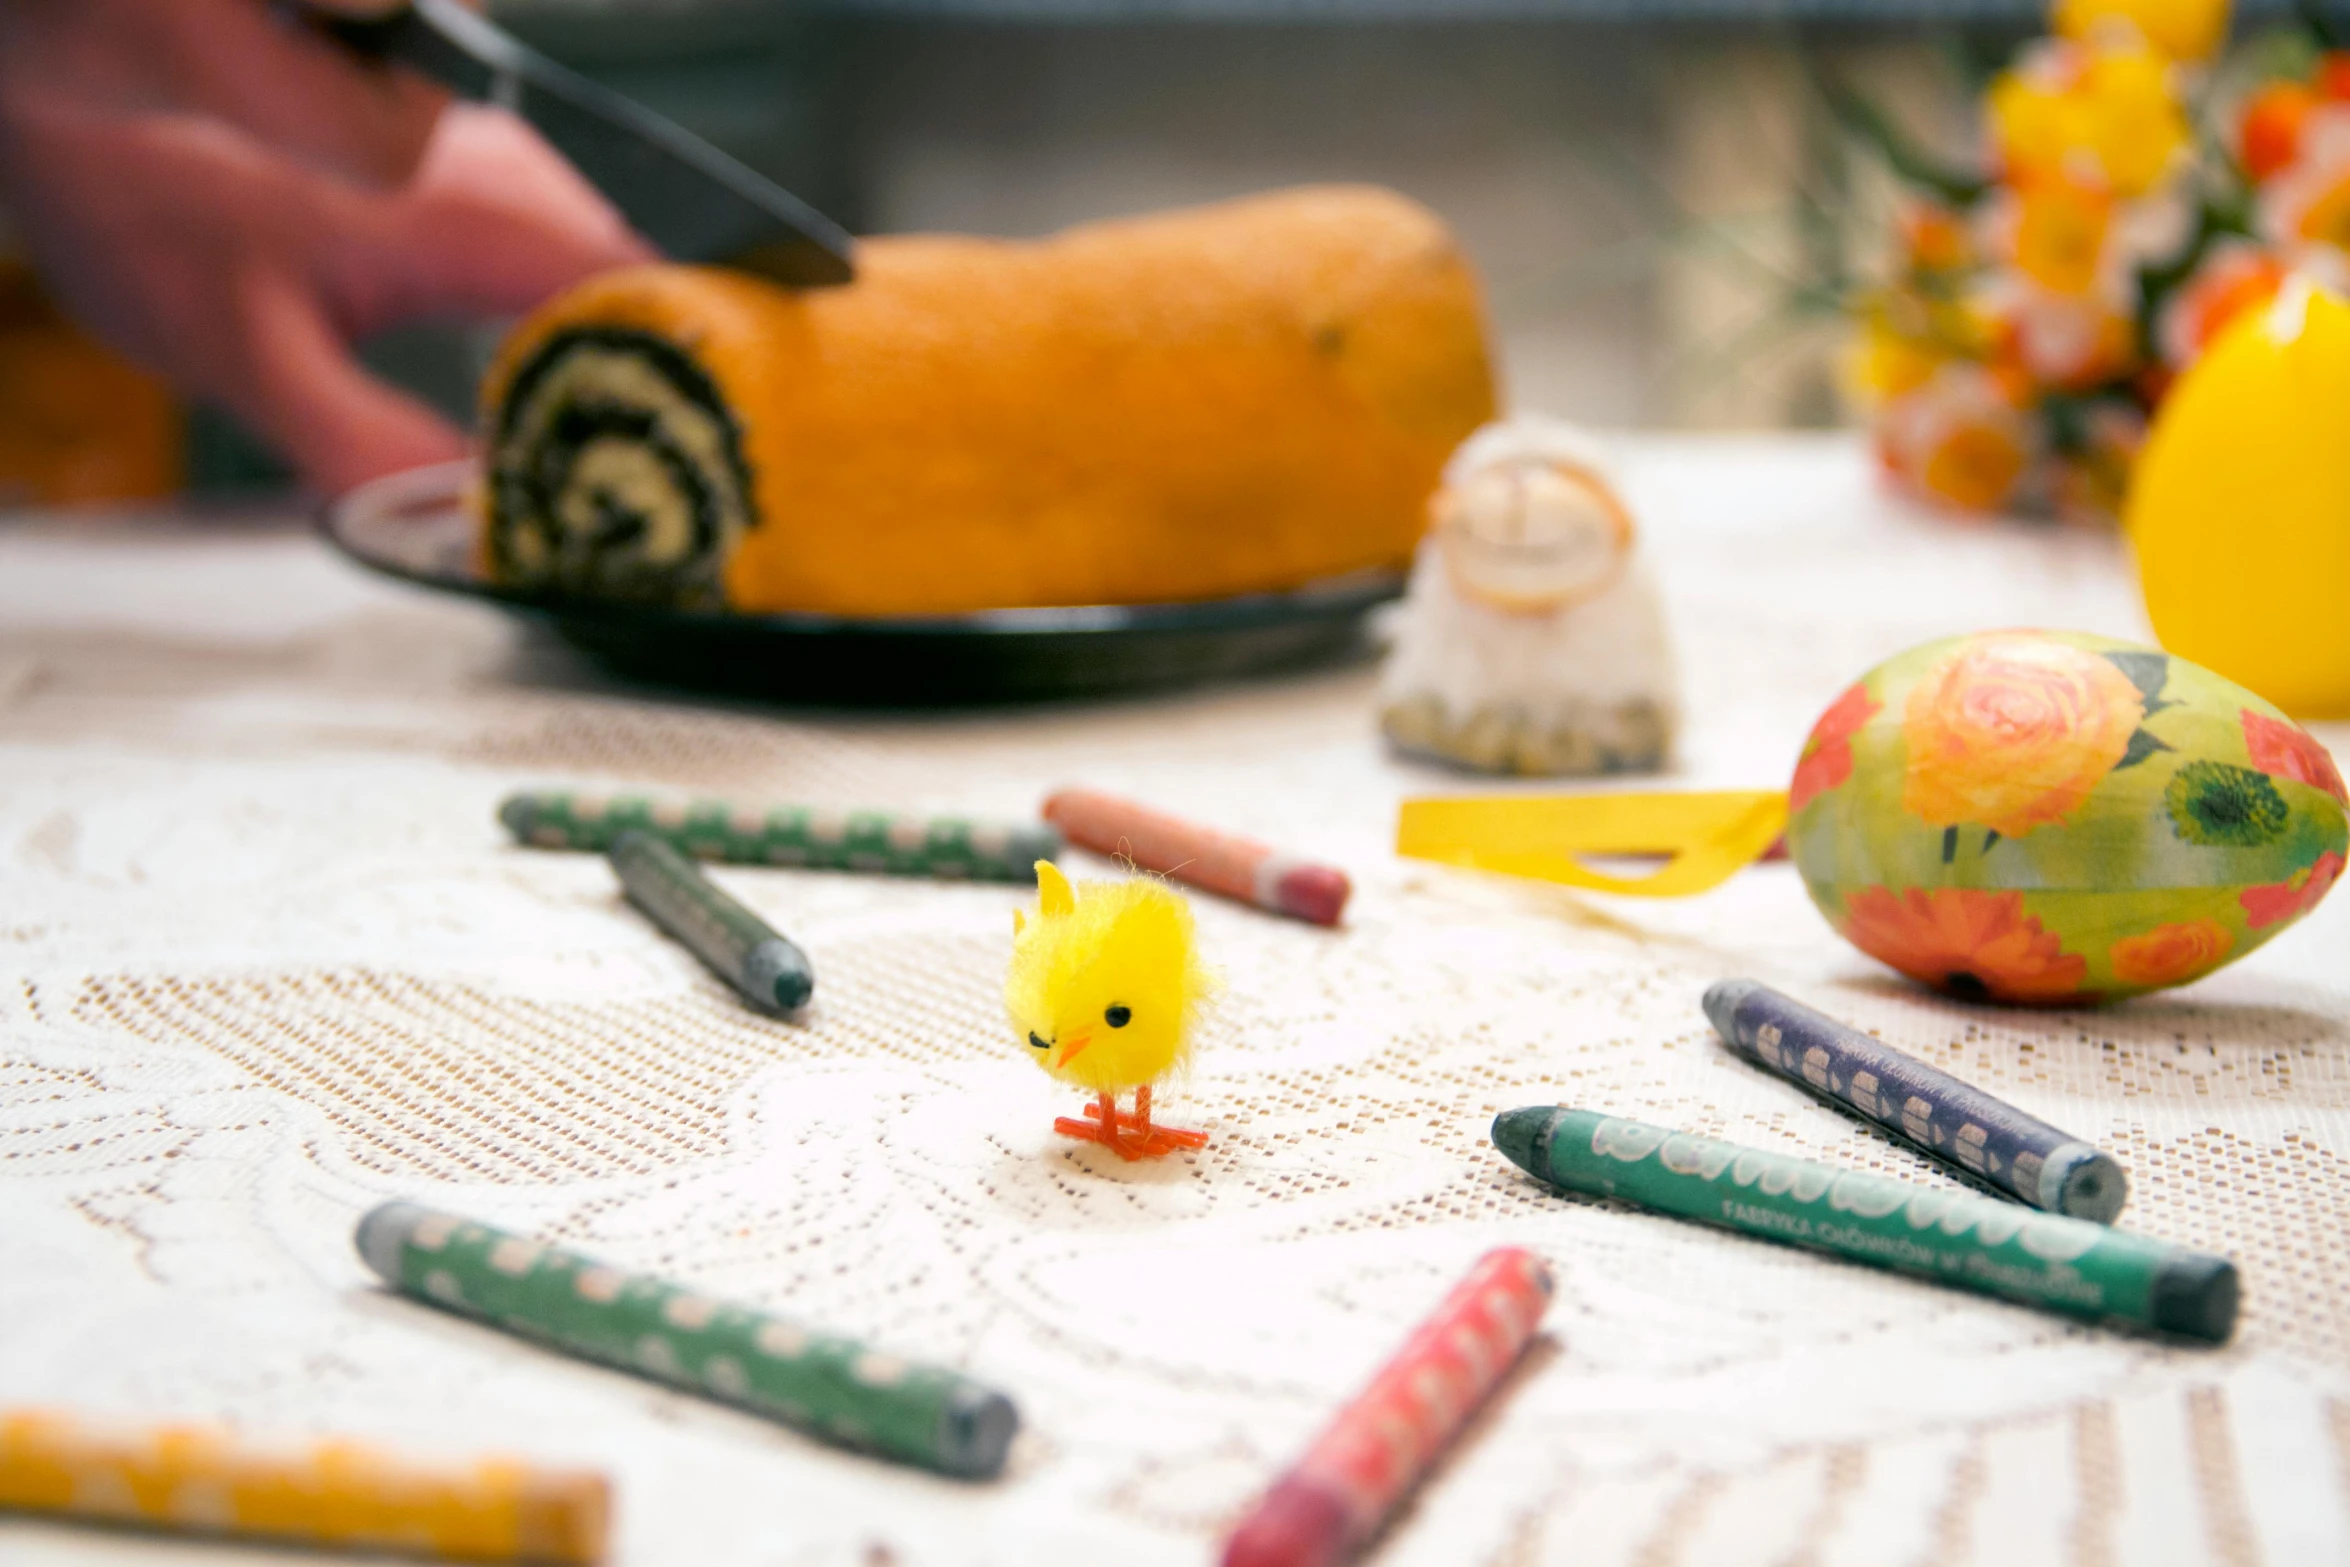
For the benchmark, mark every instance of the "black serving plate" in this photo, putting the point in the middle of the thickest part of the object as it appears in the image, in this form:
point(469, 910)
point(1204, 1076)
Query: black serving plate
point(416, 526)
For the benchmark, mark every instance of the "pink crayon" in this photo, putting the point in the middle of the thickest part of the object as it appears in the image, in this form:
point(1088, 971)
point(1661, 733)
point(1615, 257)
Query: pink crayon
point(1213, 861)
point(1380, 1445)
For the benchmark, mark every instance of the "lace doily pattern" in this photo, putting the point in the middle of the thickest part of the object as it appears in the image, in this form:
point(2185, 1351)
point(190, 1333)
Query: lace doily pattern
point(267, 959)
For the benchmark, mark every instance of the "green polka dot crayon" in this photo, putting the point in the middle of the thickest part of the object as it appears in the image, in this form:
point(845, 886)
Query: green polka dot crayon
point(738, 946)
point(950, 848)
point(833, 1387)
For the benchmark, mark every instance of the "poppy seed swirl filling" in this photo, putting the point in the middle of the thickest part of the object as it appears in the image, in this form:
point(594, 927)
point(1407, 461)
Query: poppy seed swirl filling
point(616, 473)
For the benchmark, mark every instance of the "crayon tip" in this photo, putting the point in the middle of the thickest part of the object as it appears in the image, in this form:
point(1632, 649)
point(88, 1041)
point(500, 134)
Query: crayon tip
point(779, 969)
point(2195, 1294)
point(1523, 1136)
point(516, 813)
point(1040, 842)
point(1314, 893)
point(1298, 1524)
point(975, 1431)
point(2089, 1184)
point(1721, 1004)
point(382, 1234)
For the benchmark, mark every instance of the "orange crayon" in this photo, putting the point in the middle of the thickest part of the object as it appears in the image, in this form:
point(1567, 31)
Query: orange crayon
point(204, 1480)
point(1212, 861)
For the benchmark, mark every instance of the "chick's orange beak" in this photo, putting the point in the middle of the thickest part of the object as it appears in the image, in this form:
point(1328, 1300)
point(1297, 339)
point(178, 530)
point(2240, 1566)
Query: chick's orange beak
point(1075, 1044)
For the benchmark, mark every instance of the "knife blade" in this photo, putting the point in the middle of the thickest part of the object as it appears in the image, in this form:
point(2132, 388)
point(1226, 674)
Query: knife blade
point(693, 202)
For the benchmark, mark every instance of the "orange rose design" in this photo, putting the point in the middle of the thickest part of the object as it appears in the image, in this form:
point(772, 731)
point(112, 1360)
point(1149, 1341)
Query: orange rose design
point(1980, 946)
point(2012, 732)
point(2289, 900)
point(2171, 954)
point(2284, 750)
point(1827, 754)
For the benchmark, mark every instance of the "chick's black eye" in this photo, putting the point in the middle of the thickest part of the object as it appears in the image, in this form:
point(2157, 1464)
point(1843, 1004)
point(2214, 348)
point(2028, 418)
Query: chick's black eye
point(1118, 1017)
point(1035, 1043)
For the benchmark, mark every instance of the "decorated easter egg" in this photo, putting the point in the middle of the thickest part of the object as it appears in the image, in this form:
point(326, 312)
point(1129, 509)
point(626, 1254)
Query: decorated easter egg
point(2050, 818)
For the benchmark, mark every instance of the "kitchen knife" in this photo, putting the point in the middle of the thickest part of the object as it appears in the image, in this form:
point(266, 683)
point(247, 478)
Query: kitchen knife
point(691, 200)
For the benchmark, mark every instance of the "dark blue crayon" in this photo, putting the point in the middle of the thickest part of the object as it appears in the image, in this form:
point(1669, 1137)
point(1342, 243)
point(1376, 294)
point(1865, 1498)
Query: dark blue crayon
point(1923, 1106)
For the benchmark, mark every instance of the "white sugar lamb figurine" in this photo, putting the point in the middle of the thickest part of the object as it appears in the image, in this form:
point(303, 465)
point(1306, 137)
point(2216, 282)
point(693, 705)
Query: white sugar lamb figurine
point(1532, 638)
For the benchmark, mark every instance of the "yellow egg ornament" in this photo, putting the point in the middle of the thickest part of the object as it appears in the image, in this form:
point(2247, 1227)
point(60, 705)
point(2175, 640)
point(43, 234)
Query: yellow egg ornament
point(2240, 509)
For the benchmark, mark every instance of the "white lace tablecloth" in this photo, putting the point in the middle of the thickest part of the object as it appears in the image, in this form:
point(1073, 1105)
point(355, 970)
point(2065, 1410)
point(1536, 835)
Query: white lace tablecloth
point(267, 959)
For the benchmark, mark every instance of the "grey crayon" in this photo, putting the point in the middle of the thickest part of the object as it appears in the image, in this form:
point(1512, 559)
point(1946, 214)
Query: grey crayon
point(736, 944)
point(1922, 1105)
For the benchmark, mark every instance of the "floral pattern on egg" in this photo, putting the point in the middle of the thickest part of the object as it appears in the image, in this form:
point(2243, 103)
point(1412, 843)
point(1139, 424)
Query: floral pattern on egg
point(2047, 818)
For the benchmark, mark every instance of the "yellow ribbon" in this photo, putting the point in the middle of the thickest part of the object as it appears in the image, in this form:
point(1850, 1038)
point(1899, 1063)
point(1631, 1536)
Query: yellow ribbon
point(1709, 836)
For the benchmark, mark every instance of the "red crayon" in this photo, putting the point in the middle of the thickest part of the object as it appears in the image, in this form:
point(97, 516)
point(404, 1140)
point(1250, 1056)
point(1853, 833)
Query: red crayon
point(1380, 1445)
point(1212, 861)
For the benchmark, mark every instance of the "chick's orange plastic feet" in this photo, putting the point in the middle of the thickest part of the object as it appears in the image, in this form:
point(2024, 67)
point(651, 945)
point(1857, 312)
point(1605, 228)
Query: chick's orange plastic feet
point(1135, 1138)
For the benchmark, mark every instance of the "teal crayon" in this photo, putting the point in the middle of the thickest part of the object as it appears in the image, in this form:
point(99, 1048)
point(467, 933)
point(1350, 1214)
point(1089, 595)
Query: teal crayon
point(831, 1386)
point(735, 944)
point(882, 843)
point(1951, 1237)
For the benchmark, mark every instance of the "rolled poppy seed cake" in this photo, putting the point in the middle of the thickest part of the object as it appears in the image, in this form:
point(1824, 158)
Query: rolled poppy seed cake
point(1223, 400)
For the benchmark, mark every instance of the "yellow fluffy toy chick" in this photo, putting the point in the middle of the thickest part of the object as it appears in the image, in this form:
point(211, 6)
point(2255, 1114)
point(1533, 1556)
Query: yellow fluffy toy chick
point(1104, 988)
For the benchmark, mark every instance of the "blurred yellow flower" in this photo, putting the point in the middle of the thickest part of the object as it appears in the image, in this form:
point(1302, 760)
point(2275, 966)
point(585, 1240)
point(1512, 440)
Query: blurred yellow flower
point(1883, 363)
point(2326, 220)
point(1906, 336)
point(2184, 30)
point(1958, 440)
point(2071, 341)
point(2060, 232)
point(2105, 112)
point(1974, 466)
point(1932, 238)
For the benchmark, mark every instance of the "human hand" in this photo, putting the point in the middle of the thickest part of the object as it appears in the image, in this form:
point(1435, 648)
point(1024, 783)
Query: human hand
point(233, 201)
